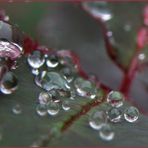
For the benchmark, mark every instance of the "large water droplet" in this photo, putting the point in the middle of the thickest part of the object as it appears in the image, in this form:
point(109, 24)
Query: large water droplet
point(115, 99)
point(53, 108)
point(44, 98)
point(97, 120)
point(52, 80)
point(52, 61)
point(114, 115)
point(85, 88)
point(131, 114)
point(41, 109)
point(106, 133)
point(9, 83)
point(36, 59)
point(17, 109)
point(98, 9)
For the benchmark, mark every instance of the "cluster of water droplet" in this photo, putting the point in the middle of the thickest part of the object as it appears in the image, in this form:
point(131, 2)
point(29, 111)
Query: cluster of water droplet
point(115, 112)
point(58, 77)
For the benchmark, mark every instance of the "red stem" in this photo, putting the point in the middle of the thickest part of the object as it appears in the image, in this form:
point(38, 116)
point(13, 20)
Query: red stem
point(109, 47)
point(84, 109)
point(130, 75)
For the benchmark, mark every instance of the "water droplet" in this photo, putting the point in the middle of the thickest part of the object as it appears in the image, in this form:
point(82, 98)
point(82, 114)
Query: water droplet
point(97, 120)
point(115, 99)
point(131, 114)
point(141, 56)
point(36, 59)
point(106, 133)
point(38, 78)
point(41, 109)
point(114, 115)
point(127, 27)
point(68, 74)
point(52, 80)
point(53, 108)
point(44, 98)
point(85, 88)
point(109, 34)
point(17, 109)
point(98, 9)
point(54, 94)
point(52, 61)
point(35, 71)
point(9, 83)
point(66, 105)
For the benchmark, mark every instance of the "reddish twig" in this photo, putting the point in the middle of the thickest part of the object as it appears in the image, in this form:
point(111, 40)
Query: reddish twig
point(111, 50)
point(84, 110)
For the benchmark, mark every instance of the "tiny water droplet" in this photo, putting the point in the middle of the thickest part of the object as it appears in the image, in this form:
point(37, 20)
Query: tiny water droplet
point(44, 98)
point(9, 83)
point(109, 34)
point(53, 108)
point(127, 27)
point(141, 56)
point(114, 115)
point(36, 59)
point(17, 109)
point(115, 99)
point(106, 133)
point(98, 9)
point(66, 105)
point(41, 109)
point(131, 114)
point(52, 61)
point(97, 120)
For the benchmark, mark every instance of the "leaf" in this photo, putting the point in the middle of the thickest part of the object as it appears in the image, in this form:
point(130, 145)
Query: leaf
point(80, 134)
point(66, 26)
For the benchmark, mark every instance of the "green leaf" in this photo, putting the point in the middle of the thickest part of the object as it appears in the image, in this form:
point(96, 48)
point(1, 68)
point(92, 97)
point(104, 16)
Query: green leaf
point(66, 26)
